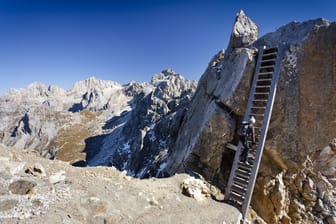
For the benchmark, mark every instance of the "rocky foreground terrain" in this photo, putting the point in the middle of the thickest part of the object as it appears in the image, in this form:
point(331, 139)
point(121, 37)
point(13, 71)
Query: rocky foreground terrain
point(36, 190)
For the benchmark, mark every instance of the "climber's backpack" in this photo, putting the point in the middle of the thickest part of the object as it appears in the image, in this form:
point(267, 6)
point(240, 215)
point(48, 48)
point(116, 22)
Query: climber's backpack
point(242, 131)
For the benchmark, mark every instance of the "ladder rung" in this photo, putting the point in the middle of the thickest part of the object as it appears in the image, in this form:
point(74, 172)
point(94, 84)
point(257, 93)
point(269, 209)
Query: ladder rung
point(246, 170)
point(267, 66)
point(269, 54)
point(243, 171)
point(260, 100)
point(237, 198)
point(249, 141)
point(251, 157)
point(263, 80)
point(271, 49)
point(257, 107)
point(259, 123)
point(266, 86)
point(251, 160)
point(243, 174)
point(261, 93)
point(268, 60)
point(265, 73)
point(253, 153)
point(257, 115)
point(240, 182)
point(238, 190)
point(244, 167)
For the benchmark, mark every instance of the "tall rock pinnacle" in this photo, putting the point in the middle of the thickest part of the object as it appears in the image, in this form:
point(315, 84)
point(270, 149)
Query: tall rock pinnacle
point(244, 31)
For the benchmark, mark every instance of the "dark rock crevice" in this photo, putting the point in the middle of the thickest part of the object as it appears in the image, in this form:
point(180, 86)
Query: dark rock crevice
point(23, 127)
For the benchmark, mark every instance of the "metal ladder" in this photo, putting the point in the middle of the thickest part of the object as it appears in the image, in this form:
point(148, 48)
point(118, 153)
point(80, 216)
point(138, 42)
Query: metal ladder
point(262, 94)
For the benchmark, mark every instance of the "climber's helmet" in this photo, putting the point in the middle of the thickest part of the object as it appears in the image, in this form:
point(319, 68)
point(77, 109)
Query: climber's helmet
point(252, 120)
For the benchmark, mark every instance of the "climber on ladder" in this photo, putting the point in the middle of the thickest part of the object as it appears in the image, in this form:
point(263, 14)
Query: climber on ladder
point(246, 132)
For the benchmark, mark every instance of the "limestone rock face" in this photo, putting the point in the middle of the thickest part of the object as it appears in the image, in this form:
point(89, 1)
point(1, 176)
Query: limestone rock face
point(210, 122)
point(306, 88)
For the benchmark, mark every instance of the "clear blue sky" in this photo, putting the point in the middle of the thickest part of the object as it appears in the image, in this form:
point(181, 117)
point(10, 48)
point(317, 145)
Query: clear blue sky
point(63, 41)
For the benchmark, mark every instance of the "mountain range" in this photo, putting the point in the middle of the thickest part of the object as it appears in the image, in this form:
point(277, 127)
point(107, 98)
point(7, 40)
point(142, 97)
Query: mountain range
point(98, 122)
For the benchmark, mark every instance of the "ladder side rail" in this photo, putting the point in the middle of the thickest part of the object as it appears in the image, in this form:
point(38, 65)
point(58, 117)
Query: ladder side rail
point(239, 148)
point(254, 83)
point(262, 137)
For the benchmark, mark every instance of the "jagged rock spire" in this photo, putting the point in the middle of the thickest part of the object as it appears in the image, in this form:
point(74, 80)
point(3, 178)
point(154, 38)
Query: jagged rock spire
point(244, 31)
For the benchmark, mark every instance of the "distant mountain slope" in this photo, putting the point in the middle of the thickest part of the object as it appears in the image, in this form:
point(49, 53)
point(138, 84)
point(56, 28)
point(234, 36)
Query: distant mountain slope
point(128, 126)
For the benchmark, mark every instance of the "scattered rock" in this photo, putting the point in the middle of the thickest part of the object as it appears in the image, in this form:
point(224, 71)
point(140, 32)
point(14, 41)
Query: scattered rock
point(196, 189)
point(36, 170)
point(286, 219)
point(36, 203)
point(325, 161)
point(322, 188)
point(57, 177)
point(93, 208)
point(8, 204)
point(319, 205)
point(3, 190)
point(309, 191)
point(153, 201)
point(21, 187)
point(331, 220)
point(332, 144)
point(13, 167)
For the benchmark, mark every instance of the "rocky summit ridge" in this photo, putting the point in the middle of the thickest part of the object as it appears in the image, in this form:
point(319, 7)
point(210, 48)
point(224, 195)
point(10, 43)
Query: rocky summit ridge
point(169, 126)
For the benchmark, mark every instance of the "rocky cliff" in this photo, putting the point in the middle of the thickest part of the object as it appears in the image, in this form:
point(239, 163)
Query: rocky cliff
point(296, 182)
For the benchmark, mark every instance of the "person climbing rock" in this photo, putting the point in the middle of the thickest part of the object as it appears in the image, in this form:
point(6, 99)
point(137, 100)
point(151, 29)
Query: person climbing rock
point(246, 134)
